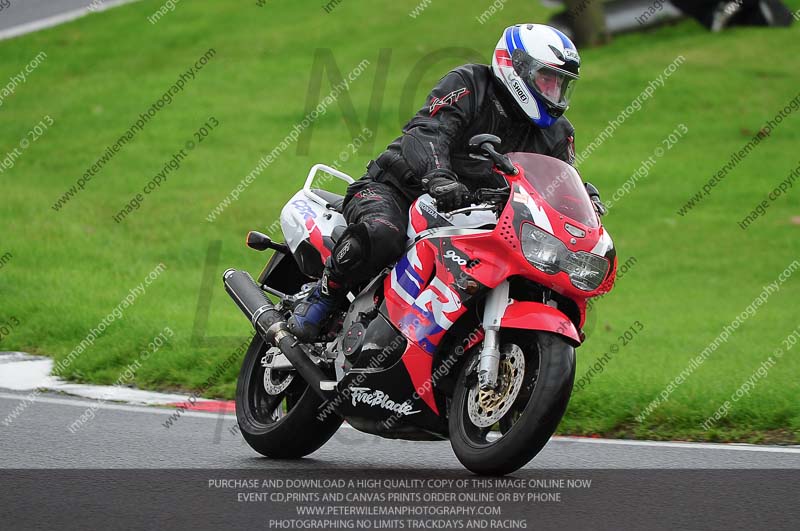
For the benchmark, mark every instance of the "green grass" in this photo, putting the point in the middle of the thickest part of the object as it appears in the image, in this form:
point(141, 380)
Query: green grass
point(693, 274)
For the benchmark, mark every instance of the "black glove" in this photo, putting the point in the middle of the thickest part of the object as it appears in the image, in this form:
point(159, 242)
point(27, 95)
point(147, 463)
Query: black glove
point(449, 194)
point(594, 195)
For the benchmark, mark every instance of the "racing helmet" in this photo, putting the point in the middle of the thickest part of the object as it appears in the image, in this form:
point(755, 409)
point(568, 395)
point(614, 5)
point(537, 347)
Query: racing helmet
point(539, 67)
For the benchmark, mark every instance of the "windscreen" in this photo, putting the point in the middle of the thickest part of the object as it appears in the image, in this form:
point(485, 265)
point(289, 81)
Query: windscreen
point(559, 184)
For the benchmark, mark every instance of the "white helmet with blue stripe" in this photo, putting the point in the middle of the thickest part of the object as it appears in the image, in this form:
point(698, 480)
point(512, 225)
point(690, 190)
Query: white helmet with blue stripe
point(539, 66)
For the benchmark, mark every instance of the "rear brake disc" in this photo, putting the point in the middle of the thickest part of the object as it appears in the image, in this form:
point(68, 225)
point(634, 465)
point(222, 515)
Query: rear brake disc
point(275, 382)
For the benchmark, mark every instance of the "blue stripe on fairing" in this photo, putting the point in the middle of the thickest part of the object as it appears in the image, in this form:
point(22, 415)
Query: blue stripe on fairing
point(427, 346)
point(565, 40)
point(406, 277)
point(509, 44)
point(420, 331)
point(517, 39)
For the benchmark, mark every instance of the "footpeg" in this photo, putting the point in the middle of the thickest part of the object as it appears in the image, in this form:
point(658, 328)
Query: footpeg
point(270, 325)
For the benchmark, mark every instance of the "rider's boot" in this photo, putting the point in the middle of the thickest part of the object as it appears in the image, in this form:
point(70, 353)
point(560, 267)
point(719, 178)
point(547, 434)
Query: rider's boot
point(311, 314)
point(342, 270)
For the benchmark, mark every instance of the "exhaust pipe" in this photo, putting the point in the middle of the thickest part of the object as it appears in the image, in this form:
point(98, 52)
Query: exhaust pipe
point(270, 325)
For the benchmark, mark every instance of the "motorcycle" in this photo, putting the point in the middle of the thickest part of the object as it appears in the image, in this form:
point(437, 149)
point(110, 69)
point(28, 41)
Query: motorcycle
point(470, 336)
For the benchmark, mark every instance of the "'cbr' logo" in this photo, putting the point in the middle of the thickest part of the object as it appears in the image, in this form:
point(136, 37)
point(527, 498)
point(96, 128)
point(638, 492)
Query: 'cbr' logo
point(449, 99)
point(304, 208)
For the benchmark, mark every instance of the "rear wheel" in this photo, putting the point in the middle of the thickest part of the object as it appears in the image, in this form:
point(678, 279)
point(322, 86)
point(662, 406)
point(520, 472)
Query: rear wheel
point(497, 432)
point(278, 415)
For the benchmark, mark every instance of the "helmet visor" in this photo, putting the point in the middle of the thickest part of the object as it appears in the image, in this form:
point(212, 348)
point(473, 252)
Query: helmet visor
point(553, 84)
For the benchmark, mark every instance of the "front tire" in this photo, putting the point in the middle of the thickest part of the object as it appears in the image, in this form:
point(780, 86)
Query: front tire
point(538, 401)
point(285, 425)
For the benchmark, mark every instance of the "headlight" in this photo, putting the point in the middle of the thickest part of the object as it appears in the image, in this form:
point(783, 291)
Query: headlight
point(585, 270)
point(548, 254)
point(541, 249)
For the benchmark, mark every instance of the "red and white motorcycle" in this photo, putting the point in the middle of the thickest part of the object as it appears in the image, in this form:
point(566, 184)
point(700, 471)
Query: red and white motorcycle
point(470, 336)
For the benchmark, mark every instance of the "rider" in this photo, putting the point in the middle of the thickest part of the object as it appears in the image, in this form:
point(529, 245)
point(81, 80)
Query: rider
point(520, 98)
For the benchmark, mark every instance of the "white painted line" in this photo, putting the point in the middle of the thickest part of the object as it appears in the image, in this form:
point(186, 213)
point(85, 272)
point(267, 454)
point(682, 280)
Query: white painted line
point(558, 438)
point(683, 445)
point(55, 20)
point(117, 407)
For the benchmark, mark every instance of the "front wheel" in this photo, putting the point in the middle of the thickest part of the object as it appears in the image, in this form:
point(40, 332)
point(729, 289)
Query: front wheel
point(278, 415)
point(499, 431)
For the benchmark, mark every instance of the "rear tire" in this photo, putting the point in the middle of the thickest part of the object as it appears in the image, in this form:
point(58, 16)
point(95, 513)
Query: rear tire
point(283, 426)
point(535, 413)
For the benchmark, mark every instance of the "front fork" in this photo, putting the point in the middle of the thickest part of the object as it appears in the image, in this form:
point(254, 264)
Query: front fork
point(489, 361)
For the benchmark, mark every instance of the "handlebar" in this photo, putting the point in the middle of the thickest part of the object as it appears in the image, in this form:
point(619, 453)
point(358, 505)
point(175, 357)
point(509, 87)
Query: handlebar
point(496, 197)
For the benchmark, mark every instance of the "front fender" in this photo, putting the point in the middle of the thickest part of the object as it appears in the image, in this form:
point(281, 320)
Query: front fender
point(537, 316)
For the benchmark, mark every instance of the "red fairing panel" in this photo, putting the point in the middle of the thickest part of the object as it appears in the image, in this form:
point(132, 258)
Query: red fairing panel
point(423, 306)
point(315, 235)
point(418, 364)
point(538, 316)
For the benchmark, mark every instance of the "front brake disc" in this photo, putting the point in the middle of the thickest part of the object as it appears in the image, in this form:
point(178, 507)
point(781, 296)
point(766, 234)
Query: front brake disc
point(485, 408)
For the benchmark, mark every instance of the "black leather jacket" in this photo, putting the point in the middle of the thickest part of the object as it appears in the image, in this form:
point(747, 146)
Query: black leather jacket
point(466, 102)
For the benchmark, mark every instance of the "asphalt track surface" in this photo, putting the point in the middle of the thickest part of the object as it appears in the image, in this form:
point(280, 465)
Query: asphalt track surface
point(25, 11)
point(123, 436)
point(26, 16)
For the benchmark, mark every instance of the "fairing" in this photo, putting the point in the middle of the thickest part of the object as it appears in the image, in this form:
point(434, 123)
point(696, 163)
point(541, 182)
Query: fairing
point(450, 265)
point(308, 228)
